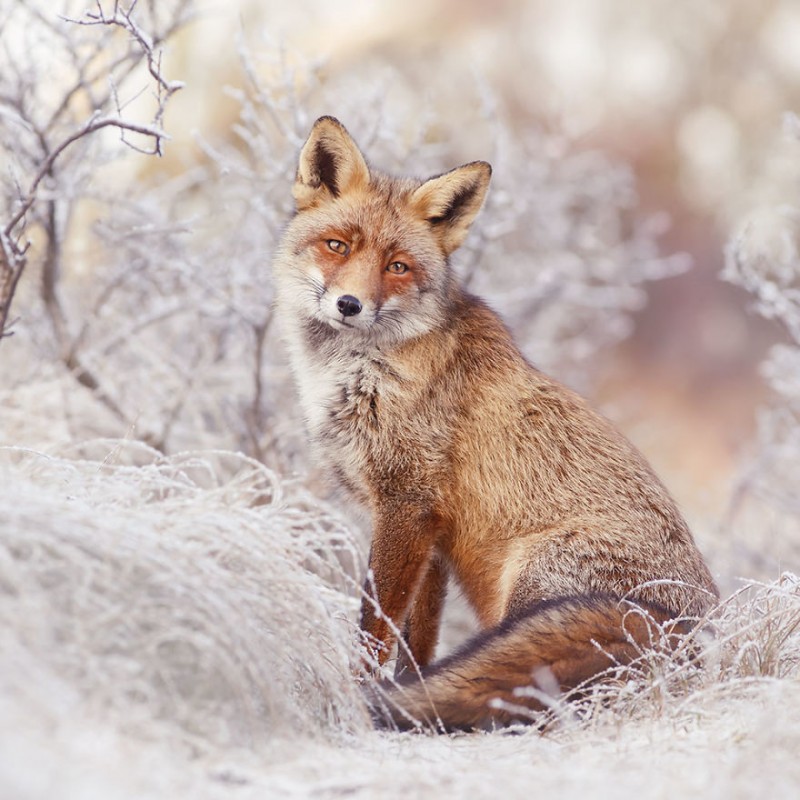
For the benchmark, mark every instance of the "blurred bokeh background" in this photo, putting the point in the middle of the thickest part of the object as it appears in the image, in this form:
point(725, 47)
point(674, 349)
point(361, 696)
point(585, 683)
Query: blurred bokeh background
point(691, 96)
point(630, 143)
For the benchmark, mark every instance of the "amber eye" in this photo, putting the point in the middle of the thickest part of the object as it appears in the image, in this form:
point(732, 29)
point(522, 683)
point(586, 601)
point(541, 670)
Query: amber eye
point(397, 268)
point(338, 247)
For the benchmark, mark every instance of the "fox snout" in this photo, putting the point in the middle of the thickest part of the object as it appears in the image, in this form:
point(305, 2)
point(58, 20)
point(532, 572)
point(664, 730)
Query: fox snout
point(348, 305)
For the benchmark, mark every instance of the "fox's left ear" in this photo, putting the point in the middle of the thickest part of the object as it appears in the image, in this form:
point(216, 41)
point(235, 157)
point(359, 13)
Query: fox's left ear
point(330, 164)
point(451, 201)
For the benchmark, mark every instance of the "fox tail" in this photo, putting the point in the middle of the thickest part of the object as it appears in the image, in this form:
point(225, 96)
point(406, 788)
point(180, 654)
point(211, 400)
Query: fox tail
point(503, 675)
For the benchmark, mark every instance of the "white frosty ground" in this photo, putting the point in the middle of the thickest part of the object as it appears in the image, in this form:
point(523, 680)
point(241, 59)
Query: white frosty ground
point(182, 628)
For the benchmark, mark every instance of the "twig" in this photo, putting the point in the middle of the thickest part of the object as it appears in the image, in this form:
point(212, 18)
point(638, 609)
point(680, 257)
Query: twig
point(13, 246)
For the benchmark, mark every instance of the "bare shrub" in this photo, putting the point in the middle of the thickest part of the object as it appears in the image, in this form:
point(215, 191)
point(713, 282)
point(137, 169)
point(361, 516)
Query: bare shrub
point(764, 258)
point(155, 322)
point(48, 134)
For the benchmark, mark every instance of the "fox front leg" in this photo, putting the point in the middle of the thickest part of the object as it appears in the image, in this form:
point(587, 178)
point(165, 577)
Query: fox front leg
point(400, 557)
point(421, 631)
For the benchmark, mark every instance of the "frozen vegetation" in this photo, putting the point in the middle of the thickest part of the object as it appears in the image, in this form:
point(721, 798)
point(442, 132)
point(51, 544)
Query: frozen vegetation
point(178, 585)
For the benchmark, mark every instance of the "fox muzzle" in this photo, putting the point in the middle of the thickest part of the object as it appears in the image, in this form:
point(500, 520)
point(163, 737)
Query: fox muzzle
point(348, 305)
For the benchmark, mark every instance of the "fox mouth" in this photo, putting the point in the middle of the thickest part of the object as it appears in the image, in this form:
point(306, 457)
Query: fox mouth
point(359, 324)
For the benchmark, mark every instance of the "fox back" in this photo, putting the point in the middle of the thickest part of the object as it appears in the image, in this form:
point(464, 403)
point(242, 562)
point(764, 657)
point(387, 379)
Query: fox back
point(473, 464)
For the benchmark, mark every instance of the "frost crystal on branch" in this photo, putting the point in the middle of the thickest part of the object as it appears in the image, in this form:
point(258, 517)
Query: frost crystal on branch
point(764, 258)
point(177, 290)
point(42, 147)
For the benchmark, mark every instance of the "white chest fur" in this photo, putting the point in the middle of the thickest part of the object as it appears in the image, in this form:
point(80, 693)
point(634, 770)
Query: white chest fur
point(336, 377)
point(333, 383)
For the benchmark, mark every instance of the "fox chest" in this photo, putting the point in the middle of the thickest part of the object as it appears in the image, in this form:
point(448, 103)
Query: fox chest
point(364, 425)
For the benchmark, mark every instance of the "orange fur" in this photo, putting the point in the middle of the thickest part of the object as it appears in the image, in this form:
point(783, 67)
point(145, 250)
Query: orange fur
point(473, 463)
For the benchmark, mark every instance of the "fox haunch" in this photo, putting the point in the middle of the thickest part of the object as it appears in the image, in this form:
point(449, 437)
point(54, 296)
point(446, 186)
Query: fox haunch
point(475, 466)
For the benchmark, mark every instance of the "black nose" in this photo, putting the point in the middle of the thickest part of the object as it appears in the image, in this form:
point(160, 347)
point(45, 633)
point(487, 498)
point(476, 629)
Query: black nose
point(348, 305)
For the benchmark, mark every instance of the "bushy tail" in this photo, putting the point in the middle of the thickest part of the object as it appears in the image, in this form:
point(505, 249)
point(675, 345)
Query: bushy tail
point(553, 646)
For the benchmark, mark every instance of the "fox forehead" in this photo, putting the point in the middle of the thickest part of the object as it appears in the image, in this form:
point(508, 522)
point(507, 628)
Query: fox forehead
point(380, 214)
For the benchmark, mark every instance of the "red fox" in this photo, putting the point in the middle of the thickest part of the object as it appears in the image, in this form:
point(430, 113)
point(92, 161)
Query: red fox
point(473, 464)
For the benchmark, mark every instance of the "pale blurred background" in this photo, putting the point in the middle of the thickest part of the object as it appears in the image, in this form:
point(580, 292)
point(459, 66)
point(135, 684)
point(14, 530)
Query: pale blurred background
point(630, 142)
point(690, 94)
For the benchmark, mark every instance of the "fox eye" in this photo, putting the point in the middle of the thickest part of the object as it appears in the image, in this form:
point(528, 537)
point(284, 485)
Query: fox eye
point(338, 247)
point(397, 268)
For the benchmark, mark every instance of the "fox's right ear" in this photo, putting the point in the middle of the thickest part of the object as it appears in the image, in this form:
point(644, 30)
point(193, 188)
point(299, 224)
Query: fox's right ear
point(450, 202)
point(330, 164)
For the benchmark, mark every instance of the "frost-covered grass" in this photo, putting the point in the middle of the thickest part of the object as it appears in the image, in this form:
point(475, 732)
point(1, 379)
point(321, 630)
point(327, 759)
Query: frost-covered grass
point(184, 627)
point(198, 589)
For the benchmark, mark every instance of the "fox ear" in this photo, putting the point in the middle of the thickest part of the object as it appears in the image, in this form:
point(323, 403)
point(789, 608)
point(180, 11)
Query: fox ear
point(451, 201)
point(330, 164)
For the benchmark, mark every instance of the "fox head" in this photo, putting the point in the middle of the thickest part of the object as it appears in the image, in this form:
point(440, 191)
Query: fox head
point(366, 255)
